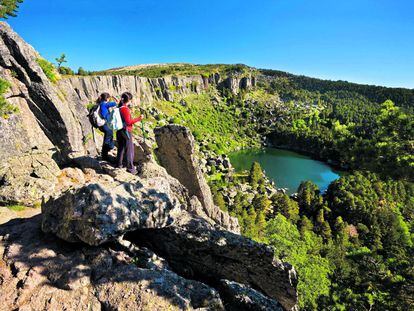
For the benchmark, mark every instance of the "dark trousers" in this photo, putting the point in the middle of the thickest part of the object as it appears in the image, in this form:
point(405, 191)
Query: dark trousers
point(108, 143)
point(125, 148)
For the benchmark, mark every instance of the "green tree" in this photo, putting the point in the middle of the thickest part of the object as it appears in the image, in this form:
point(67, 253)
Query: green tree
point(256, 175)
point(60, 60)
point(261, 203)
point(65, 70)
point(82, 72)
point(249, 220)
point(309, 199)
point(285, 206)
point(261, 225)
point(303, 252)
point(8, 8)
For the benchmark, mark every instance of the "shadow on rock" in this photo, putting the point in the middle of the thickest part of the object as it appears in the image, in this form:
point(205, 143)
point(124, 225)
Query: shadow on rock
point(39, 271)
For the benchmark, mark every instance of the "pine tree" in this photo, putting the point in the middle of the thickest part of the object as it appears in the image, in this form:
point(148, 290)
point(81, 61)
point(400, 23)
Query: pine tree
point(326, 231)
point(256, 175)
point(60, 60)
point(261, 203)
point(305, 225)
point(261, 225)
point(309, 199)
point(250, 224)
point(286, 206)
point(8, 8)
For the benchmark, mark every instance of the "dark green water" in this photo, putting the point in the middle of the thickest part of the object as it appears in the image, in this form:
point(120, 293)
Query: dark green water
point(286, 168)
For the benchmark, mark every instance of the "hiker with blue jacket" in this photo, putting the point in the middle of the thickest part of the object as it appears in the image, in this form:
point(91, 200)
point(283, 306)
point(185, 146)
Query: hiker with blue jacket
point(104, 106)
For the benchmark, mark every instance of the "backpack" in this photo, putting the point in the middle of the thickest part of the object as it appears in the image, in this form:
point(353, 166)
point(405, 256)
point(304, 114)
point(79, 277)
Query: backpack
point(95, 116)
point(115, 120)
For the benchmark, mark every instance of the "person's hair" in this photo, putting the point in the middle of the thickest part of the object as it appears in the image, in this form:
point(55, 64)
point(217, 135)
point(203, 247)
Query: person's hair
point(103, 97)
point(125, 98)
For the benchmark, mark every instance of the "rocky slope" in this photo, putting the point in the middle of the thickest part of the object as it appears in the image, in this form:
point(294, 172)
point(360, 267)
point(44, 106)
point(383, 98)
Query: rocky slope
point(106, 239)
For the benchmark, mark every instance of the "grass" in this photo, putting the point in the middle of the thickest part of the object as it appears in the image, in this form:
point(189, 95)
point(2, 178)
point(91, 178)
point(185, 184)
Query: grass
point(157, 71)
point(6, 109)
point(49, 70)
point(217, 124)
point(90, 105)
point(16, 208)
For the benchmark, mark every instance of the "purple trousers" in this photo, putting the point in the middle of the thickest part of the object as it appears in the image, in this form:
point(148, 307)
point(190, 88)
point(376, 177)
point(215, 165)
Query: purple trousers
point(125, 148)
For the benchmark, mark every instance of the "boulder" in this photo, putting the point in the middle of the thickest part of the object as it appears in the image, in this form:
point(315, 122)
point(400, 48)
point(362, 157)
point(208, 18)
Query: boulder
point(241, 297)
point(196, 250)
point(103, 211)
point(28, 178)
point(143, 151)
point(176, 153)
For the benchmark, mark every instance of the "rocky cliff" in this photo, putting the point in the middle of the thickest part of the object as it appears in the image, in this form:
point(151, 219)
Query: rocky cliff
point(148, 90)
point(106, 239)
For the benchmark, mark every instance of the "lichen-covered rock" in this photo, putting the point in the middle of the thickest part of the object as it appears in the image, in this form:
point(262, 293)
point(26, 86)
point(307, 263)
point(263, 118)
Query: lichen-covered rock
point(177, 154)
point(28, 178)
point(100, 212)
point(45, 130)
point(40, 272)
point(197, 250)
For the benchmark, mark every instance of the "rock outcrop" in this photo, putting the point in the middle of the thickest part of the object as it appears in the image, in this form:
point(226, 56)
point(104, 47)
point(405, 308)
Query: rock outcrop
point(198, 251)
point(242, 297)
point(28, 178)
point(46, 126)
point(176, 153)
point(61, 124)
point(40, 272)
point(155, 211)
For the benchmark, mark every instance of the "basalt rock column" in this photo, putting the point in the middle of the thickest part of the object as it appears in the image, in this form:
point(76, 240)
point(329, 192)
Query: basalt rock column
point(176, 153)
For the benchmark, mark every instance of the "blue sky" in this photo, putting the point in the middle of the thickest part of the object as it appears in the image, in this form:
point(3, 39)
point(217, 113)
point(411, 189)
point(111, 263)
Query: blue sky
point(365, 41)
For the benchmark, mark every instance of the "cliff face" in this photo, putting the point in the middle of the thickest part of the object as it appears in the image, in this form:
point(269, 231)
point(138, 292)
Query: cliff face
point(47, 130)
point(148, 90)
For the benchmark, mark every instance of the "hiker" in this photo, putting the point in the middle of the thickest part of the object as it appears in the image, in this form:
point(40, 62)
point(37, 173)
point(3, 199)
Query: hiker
point(124, 136)
point(104, 105)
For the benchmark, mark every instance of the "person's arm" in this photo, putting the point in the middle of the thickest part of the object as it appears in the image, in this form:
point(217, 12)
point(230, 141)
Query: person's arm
point(110, 104)
point(126, 115)
point(137, 119)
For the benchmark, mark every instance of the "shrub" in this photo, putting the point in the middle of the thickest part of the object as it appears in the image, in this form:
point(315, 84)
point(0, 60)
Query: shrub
point(83, 72)
point(66, 71)
point(48, 69)
point(6, 108)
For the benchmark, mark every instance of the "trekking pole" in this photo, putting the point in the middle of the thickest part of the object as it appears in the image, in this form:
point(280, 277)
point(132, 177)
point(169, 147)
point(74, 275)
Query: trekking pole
point(144, 134)
point(143, 130)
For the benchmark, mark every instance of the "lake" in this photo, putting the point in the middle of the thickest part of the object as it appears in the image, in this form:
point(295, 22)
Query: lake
point(286, 168)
